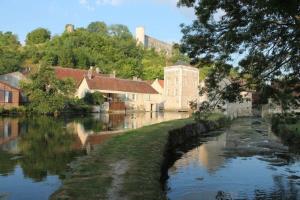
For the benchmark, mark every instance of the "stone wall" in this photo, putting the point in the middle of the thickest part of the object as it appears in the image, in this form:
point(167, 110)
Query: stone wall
point(158, 45)
point(150, 42)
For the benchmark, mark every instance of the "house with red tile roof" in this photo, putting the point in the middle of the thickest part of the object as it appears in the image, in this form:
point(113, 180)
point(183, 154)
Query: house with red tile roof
point(120, 94)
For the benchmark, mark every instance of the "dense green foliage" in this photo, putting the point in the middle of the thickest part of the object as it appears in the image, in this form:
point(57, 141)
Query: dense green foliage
point(287, 127)
point(38, 36)
point(265, 35)
point(46, 93)
point(110, 48)
point(10, 54)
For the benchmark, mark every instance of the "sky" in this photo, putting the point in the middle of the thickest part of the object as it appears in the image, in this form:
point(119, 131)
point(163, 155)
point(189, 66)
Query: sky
point(161, 18)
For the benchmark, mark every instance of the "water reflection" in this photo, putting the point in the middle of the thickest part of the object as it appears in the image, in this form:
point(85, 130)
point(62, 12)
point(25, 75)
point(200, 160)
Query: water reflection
point(91, 131)
point(245, 162)
point(35, 152)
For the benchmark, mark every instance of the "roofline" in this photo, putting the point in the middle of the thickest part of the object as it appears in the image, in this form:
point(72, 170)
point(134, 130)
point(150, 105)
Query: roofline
point(156, 92)
point(119, 91)
point(4, 83)
point(181, 66)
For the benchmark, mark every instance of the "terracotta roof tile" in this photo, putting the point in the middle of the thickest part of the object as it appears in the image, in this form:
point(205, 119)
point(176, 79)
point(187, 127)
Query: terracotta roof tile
point(104, 82)
point(117, 84)
point(76, 74)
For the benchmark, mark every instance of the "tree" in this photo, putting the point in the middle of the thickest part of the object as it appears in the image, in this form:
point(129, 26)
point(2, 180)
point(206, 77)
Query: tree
point(38, 36)
point(266, 35)
point(177, 56)
point(154, 64)
point(98, 27)
point(46, 93)
point(120, 31)
point(10, 55)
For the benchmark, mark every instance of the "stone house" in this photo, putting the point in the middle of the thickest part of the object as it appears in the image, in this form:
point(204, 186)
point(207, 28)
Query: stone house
point(120, 94)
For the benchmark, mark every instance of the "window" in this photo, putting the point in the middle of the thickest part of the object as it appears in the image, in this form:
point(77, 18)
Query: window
point(147, 97)
point(8, 97)
point(5, 96)
point(133, 97)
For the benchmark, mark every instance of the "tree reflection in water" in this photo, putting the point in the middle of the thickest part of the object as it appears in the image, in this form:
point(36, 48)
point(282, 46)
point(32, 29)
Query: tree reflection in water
point(7, 164)
point(45, 149)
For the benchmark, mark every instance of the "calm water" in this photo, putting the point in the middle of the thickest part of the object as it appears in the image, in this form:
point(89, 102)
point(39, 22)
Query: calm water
point(244, 162)
point(35, 152)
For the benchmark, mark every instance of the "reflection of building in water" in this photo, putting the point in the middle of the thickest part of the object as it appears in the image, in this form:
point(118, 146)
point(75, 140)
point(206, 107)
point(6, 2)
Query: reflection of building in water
point(209, 154)
point(113, 123)
point(9, 132)
point(136, 120)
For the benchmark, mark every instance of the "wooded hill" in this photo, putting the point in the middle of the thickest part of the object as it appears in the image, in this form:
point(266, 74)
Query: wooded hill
point(110, 48)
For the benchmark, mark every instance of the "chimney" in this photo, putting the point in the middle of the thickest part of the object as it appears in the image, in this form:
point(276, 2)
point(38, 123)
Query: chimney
point(97, 70)
point(135, 78)
point(113, 75)
point(90, 73)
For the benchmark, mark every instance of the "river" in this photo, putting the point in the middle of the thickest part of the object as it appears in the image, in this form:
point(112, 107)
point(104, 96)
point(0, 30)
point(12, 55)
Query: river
point(245, 161)
point(35, 152)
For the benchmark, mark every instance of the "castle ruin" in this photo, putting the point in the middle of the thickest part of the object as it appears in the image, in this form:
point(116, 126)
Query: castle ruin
point(150, 42)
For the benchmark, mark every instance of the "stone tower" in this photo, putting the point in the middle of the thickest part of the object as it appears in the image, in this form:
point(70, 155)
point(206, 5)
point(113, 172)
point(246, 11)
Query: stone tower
point(181, 84)
point(140, 35)
point(69, 28)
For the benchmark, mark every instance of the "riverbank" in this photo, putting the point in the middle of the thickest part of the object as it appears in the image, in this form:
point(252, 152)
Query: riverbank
point(245, 161)
point(288, 128)
point(126, 167)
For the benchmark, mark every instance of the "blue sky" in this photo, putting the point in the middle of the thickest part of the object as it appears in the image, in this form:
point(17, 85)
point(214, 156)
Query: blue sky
point(161, 18)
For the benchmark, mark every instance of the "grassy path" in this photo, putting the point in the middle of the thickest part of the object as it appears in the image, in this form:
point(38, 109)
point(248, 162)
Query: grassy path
point(126, 167)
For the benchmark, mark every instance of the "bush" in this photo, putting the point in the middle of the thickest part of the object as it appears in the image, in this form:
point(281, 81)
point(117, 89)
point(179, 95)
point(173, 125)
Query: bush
point(285, 126)
point(13, 110)
point(95, 98)
point(77, 106)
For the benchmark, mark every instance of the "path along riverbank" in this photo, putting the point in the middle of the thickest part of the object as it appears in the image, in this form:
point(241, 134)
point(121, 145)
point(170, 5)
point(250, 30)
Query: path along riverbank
point(128, 166)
